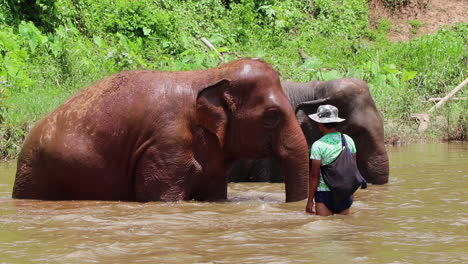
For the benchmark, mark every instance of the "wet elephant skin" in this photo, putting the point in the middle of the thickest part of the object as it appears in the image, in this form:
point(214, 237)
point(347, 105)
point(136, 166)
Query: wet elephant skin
point(363, 123)
point(163, 136)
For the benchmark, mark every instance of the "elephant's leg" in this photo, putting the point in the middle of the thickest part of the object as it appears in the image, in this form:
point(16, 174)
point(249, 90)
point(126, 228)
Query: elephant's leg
point(239, 171)
point(160, 177)
point(274, 169)
point(211, 184)
point(61, 173)
point(260, 171)
point(211, 189)
point(34, 183)
point(60, 182)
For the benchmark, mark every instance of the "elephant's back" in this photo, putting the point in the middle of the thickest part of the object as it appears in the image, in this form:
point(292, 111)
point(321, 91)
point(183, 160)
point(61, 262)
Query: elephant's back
point(291, 85)
point(116, 94)
point(346, 87)
point(298, 92)
point(119, 106)
point(110, 107)
point(97, 111)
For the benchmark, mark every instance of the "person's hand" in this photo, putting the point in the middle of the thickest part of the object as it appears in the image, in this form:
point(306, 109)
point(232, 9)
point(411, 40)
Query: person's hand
point(310, 207)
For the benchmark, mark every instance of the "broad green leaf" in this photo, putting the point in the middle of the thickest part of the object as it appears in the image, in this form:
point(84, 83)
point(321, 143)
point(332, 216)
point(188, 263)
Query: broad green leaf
point(393, 81)
point(12, 66)
point(406, 76)
point(146, 31)
point(390, 68)
point(98, 41)
point(8, 42)
point(222, 49)
point(216, 39)
point(312, 63)
point(331, 75)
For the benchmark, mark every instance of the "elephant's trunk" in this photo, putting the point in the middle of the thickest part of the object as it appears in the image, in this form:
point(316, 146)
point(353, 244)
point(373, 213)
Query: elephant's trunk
point(293, 152)
point(372, 157)
point(375, 168)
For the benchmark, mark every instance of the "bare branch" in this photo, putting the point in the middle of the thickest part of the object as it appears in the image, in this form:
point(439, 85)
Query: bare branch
point(424, 118)
point(209, 45)
point(447, 97)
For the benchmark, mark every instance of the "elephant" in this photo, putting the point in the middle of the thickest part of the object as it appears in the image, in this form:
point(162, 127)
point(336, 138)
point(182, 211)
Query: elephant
point(163, 136)
point(363, 123)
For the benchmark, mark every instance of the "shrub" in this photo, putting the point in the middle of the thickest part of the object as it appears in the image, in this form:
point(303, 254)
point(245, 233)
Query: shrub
point(83, 41)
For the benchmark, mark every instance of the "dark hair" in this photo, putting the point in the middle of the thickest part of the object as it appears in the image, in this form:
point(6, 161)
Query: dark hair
point(331, 125)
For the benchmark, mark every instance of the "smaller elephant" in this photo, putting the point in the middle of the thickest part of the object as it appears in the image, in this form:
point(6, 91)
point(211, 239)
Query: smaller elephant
point(363, 123)
point(163, 136)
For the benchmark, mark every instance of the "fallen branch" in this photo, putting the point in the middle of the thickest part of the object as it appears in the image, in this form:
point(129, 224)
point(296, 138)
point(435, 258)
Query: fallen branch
point(209, 45)
point(447, 97)
point(424, 118)
point(436, 99)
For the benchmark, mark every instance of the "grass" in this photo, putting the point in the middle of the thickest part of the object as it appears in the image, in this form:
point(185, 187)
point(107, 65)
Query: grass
point(49, 54)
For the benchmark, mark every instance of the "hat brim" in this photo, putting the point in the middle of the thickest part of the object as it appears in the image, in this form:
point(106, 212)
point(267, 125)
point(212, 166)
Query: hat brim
point(325, 119)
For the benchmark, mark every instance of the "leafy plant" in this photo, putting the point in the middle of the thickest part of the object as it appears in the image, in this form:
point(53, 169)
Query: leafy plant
point(64, 45)
point(415, 25)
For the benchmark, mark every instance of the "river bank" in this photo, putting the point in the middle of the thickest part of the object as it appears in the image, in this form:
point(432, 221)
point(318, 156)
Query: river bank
point(51, 49)
point(398, 137)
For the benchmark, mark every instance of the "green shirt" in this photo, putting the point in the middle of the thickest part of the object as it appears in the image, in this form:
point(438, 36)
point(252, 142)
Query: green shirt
point(327, 149)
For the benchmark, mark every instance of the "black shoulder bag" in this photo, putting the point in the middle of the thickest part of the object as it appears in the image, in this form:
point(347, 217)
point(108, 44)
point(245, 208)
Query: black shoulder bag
point(342, 175)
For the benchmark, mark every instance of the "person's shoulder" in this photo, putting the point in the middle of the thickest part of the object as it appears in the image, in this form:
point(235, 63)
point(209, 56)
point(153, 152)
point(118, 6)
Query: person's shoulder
point(348, 138)
point(318, 143)
point(321, 140)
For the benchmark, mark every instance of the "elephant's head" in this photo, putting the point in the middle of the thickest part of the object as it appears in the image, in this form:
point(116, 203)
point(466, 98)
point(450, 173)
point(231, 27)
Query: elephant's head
point(252, 118)
point(363, 121)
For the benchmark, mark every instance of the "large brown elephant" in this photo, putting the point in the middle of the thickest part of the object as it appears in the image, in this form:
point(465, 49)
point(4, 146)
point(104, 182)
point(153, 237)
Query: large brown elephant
point(151, 136)
point(363, 123)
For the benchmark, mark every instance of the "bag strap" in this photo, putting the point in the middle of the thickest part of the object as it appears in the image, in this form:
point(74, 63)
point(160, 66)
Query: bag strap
point(344, 143)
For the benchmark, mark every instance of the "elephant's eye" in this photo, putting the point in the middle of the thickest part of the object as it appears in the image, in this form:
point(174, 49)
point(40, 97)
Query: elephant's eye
point(271, 118)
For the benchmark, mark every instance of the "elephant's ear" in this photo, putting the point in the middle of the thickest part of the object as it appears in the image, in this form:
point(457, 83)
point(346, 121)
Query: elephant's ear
point(213, 104)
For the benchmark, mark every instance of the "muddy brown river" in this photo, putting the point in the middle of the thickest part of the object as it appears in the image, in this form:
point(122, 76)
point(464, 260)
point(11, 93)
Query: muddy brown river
point(421, 216)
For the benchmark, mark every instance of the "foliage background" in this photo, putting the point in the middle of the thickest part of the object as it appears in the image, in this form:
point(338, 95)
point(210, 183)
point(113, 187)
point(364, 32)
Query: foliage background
point(50, 49)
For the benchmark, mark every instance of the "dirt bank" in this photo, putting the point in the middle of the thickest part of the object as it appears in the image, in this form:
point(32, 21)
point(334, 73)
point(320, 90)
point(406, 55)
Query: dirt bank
point(418, 17)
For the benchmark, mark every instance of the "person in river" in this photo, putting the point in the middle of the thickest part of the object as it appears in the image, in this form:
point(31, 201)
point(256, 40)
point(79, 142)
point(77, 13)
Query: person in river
point(323, 152)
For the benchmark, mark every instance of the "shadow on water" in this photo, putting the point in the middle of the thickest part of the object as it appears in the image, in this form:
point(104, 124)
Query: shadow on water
point(419, 217)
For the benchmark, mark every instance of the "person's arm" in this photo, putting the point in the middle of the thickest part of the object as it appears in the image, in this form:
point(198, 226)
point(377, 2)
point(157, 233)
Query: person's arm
point(313, 183)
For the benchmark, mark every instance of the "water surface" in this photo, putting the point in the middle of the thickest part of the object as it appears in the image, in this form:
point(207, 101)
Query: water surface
point(421, 216)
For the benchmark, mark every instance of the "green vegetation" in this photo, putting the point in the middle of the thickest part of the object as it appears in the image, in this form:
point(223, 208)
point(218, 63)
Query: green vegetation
point(50, 49)
point(415, 25)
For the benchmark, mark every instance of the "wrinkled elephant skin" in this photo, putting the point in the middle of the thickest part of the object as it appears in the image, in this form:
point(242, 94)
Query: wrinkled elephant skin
point(363, 123)
point(163, 136)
